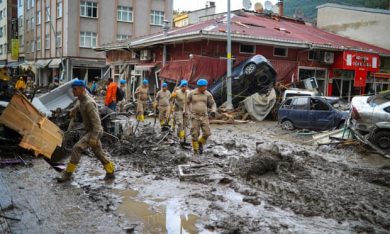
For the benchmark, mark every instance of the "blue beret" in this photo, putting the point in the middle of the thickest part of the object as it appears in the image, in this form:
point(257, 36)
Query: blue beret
point(164, 85)
point(123, 81)
point(78, 83)
point(145, 82)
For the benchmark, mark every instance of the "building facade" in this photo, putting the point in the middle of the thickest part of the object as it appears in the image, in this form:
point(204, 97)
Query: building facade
point(360, 23)
point(8, 30)
point(193, 17)
point(342, 66)
point(60, 35)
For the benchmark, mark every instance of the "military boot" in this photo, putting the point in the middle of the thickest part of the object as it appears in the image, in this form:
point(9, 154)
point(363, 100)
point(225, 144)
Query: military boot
point(67, 174)
point(195, 146)
point(202, 142)
point(110, 169)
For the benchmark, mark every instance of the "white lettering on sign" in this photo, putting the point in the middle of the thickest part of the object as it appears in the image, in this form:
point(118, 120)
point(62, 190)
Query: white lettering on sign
point(374, 62)
point(349, 59)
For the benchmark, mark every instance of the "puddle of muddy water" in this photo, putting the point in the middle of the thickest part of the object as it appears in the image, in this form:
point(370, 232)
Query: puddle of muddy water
point(165, 218)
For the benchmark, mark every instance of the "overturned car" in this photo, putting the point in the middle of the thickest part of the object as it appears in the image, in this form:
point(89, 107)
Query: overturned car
point(254, 75)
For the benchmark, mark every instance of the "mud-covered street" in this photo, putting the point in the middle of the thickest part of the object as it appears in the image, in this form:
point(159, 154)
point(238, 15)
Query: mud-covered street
point(252, 178)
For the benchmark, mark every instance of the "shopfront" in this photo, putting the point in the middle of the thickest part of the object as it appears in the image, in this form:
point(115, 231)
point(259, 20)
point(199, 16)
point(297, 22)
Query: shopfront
point(351, 73)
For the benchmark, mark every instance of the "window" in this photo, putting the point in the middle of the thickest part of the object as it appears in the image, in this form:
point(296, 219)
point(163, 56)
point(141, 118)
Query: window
point(47, 12)
point(21, 41)
point(1, 49)
point(59, 39)
point(28, 4)
point(88, 9)
point(287, 104)
point(38, 17)
point(20, 21)
point(157, 17)
point(32, 46)
point(32, 23)
point(2, 32)
point(121, 37)
point(300, 103)
point(32, 3)
point(20, 3)
point(87, 39)
point(318, 105)
point(280, 52)
point(47, 41)
point(314, 55)
point(59, 9)
point(1, 14)
point(39, 43)
point(27, 24)
point(125, 14)
point(247, 49)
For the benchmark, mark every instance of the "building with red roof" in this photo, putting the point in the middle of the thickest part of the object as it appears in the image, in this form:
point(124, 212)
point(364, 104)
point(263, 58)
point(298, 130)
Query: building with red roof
point(297, 50)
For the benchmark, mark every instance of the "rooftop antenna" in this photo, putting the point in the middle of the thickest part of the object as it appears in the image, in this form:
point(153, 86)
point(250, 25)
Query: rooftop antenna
point(268, 6)
point(259, 7)
point(247, 4)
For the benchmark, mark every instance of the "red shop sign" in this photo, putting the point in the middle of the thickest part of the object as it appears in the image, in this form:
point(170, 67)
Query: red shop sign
point(352, 60)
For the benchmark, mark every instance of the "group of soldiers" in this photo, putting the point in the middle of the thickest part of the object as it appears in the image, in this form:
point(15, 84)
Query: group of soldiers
point(188, 107)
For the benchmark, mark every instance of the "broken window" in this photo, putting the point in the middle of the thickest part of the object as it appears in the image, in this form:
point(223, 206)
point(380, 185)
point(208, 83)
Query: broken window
point(318, 105)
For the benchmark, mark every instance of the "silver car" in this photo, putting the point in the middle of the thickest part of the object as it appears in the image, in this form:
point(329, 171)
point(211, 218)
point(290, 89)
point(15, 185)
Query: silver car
point(366, 111)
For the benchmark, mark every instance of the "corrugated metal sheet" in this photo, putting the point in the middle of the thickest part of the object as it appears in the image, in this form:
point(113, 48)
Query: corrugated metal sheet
point(265, 28)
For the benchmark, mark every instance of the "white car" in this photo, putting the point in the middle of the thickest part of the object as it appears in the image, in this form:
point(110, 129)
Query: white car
point(366, 111)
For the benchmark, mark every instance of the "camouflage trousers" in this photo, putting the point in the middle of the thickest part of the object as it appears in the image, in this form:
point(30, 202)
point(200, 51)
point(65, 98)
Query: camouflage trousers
point(83, 144)
point(198, 123)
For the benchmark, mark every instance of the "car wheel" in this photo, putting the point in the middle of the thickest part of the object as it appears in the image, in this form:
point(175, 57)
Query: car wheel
point(249, 69)
point(382, 140)
point(287, 125)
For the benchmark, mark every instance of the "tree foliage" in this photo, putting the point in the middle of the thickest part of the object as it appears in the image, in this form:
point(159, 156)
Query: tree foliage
point(308, 7)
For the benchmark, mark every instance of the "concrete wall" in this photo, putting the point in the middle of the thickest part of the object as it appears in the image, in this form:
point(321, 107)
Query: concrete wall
point(368, 26)
point(195, 15)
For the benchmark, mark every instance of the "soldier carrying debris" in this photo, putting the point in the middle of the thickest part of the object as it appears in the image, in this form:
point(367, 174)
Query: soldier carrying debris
point(180, 99)
point(162, 103)
point(201, 101)
point(94, 131)
point(142, 93)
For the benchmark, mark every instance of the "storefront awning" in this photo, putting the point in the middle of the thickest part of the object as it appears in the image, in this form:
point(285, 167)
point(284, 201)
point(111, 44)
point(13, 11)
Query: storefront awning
point(88, 63)
point(42, 63)
point(55, 63)
point(14, 64)
point(382, 75)
point(146, 66)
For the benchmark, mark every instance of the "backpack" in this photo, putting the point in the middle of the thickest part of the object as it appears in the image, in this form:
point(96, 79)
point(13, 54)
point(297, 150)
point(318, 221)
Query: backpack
point(120, 94)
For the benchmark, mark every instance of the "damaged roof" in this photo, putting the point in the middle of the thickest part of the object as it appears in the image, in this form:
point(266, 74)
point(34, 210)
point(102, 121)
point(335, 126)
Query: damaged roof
point(256, 28)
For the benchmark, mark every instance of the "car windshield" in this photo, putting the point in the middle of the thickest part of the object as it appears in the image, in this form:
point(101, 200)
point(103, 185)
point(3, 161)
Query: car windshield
point(297, 95)
point(379, 100)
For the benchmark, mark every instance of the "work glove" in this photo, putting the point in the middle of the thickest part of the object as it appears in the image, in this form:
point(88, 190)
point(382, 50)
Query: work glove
point(173, 95)
point(154, 105)
point(93, 141)
point(212, 114)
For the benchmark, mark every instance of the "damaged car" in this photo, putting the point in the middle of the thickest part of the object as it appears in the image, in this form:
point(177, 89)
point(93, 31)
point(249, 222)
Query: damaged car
point(314, 113)
point(254, 75)
point(370, 115)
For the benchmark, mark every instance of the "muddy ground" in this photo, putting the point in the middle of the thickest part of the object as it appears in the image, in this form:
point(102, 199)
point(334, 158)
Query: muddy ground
point(252, 178)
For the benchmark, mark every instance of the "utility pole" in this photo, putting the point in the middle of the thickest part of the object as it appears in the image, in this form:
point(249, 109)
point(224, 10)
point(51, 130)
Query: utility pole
point(229, 104)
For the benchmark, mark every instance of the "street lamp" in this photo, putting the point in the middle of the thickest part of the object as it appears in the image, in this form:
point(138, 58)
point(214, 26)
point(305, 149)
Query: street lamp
point(229, 105)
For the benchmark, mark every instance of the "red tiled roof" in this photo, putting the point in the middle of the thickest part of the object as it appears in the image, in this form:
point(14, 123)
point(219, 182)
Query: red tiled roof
point(265, 28)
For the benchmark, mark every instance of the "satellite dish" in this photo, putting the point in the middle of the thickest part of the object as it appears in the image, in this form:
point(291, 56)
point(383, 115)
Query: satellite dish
point(247, 4)
point(268, 5)
point(259, 7)
point(275, 9)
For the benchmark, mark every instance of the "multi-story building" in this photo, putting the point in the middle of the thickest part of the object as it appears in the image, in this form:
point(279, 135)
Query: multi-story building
point(60, 35)
point(193, 17)
point(8, 29)
point(21, 29)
